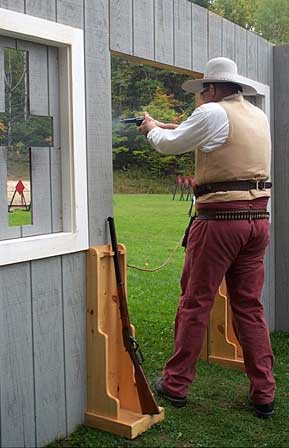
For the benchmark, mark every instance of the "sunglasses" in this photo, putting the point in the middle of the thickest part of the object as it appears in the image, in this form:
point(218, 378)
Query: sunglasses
point(205, 88)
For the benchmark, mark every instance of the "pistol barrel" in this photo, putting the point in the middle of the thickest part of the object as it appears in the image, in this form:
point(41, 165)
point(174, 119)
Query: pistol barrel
point(133, 120)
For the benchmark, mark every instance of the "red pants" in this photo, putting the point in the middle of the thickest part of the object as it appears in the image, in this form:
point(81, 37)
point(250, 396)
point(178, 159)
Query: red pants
point(234, 249)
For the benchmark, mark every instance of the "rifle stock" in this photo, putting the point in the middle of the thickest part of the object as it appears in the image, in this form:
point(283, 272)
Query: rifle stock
point(146, 398)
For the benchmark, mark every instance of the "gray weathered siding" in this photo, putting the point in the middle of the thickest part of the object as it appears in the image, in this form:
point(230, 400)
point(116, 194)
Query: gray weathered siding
point(43, 302)
point(43, 311)
point(281, 95)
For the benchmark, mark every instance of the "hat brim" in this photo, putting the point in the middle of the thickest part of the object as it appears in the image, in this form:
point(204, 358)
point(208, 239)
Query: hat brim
point(196, 85)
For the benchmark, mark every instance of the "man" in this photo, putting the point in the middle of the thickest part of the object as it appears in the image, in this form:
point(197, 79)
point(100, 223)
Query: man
point(231, 139)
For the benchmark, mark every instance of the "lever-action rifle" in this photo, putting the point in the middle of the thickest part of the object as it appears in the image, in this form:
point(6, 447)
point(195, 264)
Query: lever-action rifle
point(133, 120)
point(146, 398)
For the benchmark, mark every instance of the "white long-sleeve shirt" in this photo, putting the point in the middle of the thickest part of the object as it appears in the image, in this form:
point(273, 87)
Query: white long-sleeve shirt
point(207, 128)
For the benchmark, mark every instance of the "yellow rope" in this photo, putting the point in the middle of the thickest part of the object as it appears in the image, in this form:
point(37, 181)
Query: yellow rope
point(162, 265)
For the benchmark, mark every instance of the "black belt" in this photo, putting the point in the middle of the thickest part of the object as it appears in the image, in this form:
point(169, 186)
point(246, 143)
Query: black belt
point(238, 185)
point(228, 215)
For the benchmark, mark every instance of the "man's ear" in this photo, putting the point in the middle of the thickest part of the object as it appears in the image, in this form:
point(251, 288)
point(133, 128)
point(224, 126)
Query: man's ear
point(213, 91)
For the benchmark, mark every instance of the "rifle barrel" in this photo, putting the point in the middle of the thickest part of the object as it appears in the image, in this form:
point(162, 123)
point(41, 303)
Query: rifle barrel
point(146, 398)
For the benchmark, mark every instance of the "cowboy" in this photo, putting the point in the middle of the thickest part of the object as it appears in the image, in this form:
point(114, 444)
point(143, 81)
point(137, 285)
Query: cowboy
point(232, 144)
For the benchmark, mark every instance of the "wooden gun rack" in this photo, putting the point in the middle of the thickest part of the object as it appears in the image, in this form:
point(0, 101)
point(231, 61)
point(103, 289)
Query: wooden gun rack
point(221, 345)
point(113, 403)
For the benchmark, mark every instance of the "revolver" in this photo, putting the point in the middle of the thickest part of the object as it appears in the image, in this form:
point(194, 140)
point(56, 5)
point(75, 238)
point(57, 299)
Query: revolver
point(133, 120)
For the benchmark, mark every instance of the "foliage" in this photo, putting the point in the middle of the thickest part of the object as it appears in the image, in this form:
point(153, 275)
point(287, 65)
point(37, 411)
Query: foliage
point(137, 88)
point(272, 20)
point(241, 12)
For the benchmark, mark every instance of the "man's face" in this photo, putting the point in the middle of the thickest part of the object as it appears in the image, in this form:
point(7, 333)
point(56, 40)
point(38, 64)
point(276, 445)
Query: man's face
point(209, 93)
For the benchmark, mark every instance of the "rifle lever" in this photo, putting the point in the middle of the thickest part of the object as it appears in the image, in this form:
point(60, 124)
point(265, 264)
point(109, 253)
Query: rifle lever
point(136, 349)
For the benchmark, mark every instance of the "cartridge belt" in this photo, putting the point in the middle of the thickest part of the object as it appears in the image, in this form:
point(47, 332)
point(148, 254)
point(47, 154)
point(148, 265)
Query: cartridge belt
point(230, 215)
point(238, 185)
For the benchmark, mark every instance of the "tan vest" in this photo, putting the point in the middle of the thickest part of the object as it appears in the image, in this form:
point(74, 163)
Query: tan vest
point(245, 155)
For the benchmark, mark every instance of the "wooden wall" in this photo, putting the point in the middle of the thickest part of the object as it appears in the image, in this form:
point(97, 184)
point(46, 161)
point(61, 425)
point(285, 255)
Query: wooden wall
point(42, 306)
point(281, 95)
point(43, 334)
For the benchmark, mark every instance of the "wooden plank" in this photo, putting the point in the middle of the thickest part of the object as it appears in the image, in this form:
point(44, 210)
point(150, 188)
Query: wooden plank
point(41, 193)
point(263, 60)
point(143, 29)
point(121, 26)
point(74, 309)
point(183, 34)
point(70, 12)
point(2, 80)
point(164, 32)
point(6, 232)
point(38, 77)
point(199, 38)
point(215, 35)
point(228, 39)
point(281, 186)
point(41, 8)
point(40, 157)
point(272, 286)
point(252, 56)
point(241, 50)
point(98, 87)
point(17, 376)
point(14, 5)
point(48, 349)
point(55, 153)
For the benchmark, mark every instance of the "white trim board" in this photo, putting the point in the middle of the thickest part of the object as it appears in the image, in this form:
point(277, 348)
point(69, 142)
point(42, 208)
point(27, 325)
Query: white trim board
point(70, 42)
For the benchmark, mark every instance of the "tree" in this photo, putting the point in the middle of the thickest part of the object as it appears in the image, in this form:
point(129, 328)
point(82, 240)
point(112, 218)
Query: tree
point(241, 12)
point(272, 20)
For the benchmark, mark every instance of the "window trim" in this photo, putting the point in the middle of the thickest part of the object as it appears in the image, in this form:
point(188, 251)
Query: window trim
point(70, 42)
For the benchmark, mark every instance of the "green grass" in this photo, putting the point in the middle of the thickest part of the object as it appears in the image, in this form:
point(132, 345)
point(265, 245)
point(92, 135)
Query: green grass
point(19, 218)
point(218, 414)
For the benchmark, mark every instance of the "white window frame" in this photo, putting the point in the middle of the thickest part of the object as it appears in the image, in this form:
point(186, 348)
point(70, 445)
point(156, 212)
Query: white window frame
point(70, 42)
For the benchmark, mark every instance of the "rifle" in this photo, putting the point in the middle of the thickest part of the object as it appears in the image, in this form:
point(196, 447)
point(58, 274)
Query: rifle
point(146, 398)
point(133, 120)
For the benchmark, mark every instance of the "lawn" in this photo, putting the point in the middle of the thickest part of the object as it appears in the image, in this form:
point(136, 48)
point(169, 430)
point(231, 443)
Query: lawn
point(19, 217)
point(217, 414)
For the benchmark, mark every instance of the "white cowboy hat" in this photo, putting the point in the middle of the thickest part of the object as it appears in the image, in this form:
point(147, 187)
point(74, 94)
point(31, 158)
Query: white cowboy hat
point(220, 70)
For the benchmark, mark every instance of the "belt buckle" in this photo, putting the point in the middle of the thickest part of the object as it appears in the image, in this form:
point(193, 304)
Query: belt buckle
point(260, 184)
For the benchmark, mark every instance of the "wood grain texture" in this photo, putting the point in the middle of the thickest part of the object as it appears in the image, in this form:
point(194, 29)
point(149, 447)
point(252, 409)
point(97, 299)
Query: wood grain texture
point(121, 36)
point(99, 145)
point(40, 157)
point(228, 46)
point(164, 31)
point(2, 80)
point(6, 232)
point(14, 5)
point(45, 9)
point(143, 29)
point(17, 365)
point(47, 314)
point(215, 33)
point(263, 60)
point(241, 50)
point(281, 111)
point(183, 34)
point(38, 76)
point(74, 309)
point(252, 56)
point(55, 152)
point(70, 12)
point(199, 38)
